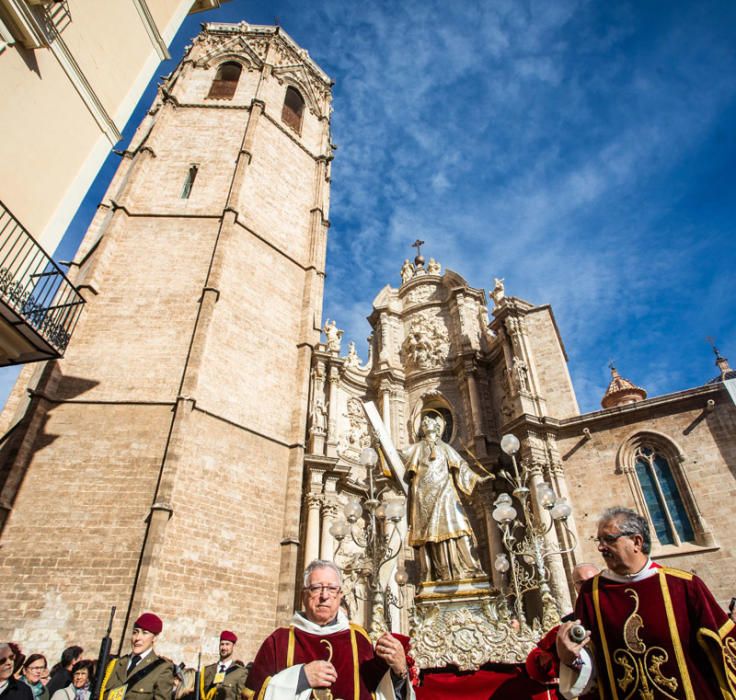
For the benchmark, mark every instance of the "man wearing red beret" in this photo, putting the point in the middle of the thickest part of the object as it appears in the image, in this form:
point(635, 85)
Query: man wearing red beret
point(140, 675)
point(224, 680)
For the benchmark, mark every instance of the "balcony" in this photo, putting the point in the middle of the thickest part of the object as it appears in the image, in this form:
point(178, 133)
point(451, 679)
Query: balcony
point(39, 306)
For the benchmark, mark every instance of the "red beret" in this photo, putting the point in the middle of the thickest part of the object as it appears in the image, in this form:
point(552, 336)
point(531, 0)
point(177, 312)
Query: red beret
point(149, 622)
point(228, 636)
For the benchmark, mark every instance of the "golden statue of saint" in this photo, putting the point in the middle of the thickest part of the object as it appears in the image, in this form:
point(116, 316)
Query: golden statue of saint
point(439, 528)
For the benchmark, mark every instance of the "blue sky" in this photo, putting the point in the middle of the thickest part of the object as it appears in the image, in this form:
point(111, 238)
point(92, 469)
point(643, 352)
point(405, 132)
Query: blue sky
point(583, 151)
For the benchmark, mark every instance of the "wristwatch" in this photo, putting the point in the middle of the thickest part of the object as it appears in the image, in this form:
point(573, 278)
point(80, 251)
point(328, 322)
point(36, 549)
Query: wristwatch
point(576, 664)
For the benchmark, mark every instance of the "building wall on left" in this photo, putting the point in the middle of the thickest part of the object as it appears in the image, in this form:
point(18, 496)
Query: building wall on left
point(72, 73)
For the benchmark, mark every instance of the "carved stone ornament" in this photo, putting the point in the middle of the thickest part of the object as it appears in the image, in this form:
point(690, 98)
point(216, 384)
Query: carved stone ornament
point(498, 292)
point(427, 344)
point(318, 419)
point(420, 294)
point(356, 436)
point(352, 359)
point(520, 373)
point(468, 634)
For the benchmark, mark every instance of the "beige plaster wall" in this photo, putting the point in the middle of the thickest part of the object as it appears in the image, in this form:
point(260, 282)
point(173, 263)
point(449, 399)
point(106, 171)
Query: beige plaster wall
point(52, 146)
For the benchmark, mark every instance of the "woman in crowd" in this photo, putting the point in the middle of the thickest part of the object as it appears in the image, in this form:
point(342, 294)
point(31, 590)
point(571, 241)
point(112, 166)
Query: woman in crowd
point(33, 668)
point(82, 679)
point(185, 690)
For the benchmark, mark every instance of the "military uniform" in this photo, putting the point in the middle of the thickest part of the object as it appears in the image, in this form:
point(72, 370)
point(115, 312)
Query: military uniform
point(152, 679)
point(230, 687)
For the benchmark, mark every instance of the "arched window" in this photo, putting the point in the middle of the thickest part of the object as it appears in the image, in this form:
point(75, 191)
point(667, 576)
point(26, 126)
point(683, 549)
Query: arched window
point(293, 109)
point(226, 81)
point(657, 473)
point(662, 497)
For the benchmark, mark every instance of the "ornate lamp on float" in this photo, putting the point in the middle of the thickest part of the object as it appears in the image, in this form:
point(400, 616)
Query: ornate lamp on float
point(380, 540)
point(526, 540)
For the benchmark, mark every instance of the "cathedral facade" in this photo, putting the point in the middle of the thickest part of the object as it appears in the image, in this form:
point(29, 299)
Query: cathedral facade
point(204, 436)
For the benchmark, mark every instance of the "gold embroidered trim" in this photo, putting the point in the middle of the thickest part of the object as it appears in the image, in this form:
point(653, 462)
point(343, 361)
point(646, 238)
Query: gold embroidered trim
point(678, 573)
point(290, 648)
point(356, 667)
point(602, 632)
point(724, 663)
point(262, 694)
point(675, 634)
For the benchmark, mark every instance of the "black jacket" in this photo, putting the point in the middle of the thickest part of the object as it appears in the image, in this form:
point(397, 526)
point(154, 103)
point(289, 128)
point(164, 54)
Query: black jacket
point(16, 690)
point(61, 678)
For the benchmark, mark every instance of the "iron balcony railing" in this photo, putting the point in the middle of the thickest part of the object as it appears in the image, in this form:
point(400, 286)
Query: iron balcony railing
point(34, 287)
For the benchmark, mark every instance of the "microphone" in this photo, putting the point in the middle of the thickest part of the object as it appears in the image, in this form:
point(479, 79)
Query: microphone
point(577, 633)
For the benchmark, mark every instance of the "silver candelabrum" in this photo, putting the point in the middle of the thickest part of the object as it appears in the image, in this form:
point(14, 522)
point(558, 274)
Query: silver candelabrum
point(380, 540)
point(525, 539)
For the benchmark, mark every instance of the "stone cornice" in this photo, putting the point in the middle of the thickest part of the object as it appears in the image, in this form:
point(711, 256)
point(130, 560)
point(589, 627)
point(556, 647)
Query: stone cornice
point(687, 400)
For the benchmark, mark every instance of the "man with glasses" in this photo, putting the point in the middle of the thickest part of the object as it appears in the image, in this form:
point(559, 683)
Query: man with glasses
point(323, 655)
point(656, 632)
point(10, 688)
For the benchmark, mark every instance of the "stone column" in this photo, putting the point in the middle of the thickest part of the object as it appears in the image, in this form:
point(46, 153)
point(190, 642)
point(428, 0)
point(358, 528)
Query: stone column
point(327, 543)
point(469, 368)
point(312, 535)
point(558, 579)
point(493, 534)
point(333, 379)
point(386, 406)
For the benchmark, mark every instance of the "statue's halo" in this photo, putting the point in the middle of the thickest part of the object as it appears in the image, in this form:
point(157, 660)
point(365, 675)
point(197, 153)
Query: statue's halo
point(436, 415)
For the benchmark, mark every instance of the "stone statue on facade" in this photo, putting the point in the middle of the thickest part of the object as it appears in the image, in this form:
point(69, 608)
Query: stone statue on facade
point(439, 528)
point(433, 267)
point(333, 335)
point(407, 271)
point(520, 374)
point(352, 359)
point(497, 293)
point(318, 419)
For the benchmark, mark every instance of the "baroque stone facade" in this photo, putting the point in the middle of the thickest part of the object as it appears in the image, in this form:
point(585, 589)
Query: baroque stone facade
point(433, 348)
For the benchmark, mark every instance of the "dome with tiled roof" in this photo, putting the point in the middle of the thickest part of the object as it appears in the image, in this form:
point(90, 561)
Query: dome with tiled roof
point(621, 391)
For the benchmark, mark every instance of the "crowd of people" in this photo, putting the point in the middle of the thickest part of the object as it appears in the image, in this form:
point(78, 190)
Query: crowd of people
point(140, 674)
point(638, 630)
point(29, 677)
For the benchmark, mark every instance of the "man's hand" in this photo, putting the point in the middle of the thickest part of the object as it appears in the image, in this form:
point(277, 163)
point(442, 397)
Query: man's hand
point(320, 674)
point(390, 650)
point(567, 649)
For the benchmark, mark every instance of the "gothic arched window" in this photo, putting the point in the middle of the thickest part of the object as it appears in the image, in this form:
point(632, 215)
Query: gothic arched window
point(293, 109)
point(226, 81)
point(666, 508)
point(657, 472)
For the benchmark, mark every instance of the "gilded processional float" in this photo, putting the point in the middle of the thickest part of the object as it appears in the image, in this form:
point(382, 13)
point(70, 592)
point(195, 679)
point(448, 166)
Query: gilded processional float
point(430, 478)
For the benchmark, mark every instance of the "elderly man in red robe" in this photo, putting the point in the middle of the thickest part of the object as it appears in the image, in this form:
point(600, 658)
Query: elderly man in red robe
point(656, 632)
point(322, 651)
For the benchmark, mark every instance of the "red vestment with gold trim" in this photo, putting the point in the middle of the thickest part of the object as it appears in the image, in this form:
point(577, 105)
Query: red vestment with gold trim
point(664, 636)
point(359, 670)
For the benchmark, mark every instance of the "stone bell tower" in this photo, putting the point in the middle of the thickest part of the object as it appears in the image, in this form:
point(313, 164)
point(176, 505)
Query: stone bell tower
point(158, 466)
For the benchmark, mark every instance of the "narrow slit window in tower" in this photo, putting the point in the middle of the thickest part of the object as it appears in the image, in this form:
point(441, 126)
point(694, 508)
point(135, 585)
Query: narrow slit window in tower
point(226, 81)
point(189, 182)
point(293, 109)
